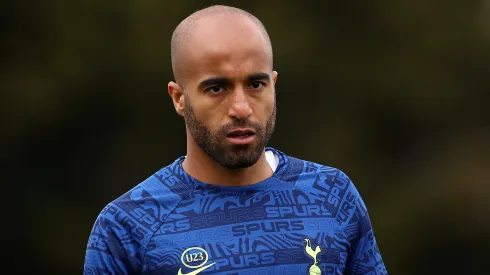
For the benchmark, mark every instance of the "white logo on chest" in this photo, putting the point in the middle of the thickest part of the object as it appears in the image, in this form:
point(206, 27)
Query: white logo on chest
point(194, 258)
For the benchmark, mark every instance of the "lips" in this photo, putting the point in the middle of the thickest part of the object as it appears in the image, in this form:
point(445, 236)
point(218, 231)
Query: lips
point(241, 133)
point(241, 136)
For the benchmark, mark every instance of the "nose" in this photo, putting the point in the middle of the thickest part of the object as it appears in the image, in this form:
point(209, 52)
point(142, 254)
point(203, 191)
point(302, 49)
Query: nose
point(239, 105)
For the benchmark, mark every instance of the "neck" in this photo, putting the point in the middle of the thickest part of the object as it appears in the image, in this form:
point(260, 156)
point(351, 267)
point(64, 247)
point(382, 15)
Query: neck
point(202, 167)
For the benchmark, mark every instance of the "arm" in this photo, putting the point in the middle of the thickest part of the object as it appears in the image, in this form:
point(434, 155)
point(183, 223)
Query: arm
point(108, 247)
point(364, 256)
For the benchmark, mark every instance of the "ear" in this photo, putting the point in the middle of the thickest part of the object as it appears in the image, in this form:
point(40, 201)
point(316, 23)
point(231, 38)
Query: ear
point(274, 76)
point(177, 95)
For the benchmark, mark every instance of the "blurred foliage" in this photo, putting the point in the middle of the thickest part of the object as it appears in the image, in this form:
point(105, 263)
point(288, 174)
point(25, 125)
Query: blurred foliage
point(394, 93)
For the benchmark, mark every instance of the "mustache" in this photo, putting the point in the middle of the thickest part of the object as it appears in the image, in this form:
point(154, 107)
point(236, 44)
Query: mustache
point(245, 123)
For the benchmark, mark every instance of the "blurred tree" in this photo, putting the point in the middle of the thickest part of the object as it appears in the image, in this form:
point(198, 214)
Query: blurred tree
point(395, 93)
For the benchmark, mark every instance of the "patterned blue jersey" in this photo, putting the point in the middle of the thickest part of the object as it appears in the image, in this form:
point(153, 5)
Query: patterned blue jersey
point(305, 219)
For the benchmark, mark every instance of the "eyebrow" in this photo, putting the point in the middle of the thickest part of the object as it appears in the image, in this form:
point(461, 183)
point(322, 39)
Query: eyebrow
point(259, 76)
point(214, 81)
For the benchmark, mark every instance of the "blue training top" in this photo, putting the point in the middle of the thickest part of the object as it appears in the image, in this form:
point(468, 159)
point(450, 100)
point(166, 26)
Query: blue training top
point(305, 219)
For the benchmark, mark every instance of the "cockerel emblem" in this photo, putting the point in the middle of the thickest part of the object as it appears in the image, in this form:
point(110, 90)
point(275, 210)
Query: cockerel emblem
point(314, 268)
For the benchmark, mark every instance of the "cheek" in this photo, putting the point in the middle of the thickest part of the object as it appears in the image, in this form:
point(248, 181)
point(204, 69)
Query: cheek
point(266, 108)
point(209, 117)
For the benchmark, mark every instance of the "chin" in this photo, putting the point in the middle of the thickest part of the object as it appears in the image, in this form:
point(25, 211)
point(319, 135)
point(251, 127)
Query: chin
point(241, 158)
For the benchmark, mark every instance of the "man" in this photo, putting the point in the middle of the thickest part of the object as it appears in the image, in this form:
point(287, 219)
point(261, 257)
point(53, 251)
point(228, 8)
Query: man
point(231, 205)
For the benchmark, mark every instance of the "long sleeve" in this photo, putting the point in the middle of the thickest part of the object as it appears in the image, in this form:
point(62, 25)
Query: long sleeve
point(108, 246)
point(364, 256)
point(122, 233)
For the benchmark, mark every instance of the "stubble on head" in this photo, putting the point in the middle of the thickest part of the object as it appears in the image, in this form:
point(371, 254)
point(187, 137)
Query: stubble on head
point(183, 34)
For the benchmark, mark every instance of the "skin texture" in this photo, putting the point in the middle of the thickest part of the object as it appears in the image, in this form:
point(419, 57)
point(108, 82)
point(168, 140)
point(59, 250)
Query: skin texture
point(225, 82)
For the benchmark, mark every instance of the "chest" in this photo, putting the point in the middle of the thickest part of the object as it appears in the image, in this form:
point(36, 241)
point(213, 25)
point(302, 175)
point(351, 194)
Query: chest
point(248, 234)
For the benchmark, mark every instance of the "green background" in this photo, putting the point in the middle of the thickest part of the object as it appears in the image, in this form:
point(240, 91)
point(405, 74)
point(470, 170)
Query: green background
point(394, 93)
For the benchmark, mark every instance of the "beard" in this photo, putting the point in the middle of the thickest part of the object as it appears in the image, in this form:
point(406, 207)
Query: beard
point(215, 145)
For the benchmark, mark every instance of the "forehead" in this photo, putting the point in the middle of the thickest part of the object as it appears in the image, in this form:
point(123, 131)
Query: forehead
point(227, 45)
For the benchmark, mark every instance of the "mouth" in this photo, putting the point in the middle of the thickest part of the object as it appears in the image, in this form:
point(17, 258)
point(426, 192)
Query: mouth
point(241, 136)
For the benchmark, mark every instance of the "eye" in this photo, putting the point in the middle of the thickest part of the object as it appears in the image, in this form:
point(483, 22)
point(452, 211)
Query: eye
point(256, 85)
point(215, 89)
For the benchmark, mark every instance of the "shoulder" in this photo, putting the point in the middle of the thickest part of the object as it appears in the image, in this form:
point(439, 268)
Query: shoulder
point(340, 195)
point(304, 172)
point(329, 185)
point(332, 181)
point(138, 213)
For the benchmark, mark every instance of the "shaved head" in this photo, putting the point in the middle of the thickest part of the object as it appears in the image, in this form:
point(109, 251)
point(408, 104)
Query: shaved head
point(182, 43)
point(224, 81)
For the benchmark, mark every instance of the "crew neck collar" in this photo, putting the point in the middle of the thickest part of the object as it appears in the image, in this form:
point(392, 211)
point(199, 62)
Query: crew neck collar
point(265, 184)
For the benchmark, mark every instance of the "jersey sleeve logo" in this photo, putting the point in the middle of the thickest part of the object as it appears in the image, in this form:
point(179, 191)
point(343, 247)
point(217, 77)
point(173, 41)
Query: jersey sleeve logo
point(314, 268)
point(195, 259)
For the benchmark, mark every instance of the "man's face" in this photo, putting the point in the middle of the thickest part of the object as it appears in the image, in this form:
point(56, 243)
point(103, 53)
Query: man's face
point(229, 97)
point(216, 142)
